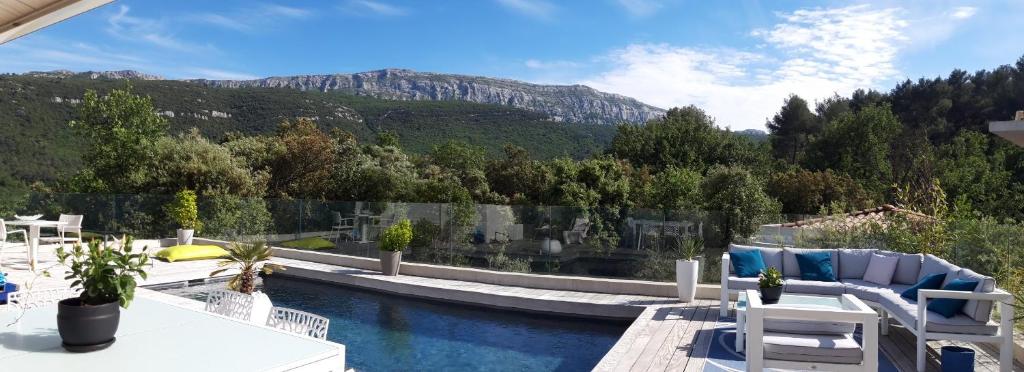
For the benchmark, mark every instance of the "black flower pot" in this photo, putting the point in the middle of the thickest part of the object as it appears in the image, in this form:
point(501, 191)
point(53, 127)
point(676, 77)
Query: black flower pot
point(771, 294)
point(87, 328)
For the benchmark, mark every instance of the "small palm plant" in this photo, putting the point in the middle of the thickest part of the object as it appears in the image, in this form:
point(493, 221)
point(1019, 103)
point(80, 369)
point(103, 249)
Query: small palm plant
point(250, 259)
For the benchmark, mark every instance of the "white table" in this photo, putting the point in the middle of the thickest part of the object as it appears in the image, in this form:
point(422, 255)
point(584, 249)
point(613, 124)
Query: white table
point(820, 310)
point(788, 300)
point(156, 336)
point(33, 235)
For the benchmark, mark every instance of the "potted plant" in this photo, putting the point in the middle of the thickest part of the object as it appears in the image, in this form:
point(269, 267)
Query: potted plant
point(184, 211)
point(393, 241)
point(687, 268)
point(107, 277)
point(250, 259)
point(770, 284)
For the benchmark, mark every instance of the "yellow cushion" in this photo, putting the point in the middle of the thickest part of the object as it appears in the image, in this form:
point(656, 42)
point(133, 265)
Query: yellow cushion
point(191, 252)
point(313, 243)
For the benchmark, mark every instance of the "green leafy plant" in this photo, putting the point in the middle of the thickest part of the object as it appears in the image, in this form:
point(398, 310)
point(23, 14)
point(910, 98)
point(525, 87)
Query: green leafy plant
point(690, 248)
point(104, 272)
point(250, 259)
point(770, 278)
point(396, 237)
point(184, 211)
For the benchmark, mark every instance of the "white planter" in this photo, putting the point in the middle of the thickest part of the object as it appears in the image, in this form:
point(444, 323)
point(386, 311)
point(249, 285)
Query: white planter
point(686, 279)
point(185, 236)
point(550, 246)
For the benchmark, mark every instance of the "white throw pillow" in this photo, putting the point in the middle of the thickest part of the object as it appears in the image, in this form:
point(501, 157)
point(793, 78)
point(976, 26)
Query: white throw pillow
point(880, 269)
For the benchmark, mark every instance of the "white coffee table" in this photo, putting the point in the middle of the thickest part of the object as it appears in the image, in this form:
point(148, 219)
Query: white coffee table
point(790, 300)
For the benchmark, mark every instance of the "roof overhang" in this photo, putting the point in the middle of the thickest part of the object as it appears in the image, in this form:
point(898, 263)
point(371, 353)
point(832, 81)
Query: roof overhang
point(1012, 131)
point(21, 17)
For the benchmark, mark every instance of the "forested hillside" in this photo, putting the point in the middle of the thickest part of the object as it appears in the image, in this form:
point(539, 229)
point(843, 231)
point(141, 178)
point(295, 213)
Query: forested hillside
point(38, 145)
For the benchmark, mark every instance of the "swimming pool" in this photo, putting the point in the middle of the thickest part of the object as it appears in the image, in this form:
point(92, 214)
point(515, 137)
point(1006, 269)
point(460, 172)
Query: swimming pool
point(384, 332)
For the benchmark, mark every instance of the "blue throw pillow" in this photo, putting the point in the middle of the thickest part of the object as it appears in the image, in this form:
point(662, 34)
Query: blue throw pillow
point(747, 264)
point(949, 307)
point(816, 266)
point(933, 281)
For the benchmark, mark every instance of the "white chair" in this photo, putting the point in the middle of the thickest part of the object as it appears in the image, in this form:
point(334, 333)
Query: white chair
point(343, 227)
point(298, 322)
point(36, 299)
point(3, 238)
point(72, 224)
point(230, 304)
point(580, 226)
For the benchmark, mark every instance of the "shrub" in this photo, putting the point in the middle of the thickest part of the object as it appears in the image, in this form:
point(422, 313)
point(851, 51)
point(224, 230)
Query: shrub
point(397, 237)
point(184, 211)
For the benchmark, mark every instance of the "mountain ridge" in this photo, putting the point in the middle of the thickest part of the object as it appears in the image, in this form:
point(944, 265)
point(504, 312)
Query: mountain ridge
point(569, 103)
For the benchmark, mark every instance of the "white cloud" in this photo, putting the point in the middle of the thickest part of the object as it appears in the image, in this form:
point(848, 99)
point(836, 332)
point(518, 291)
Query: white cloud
point(152, 31)
point(814, 53)
point(221, 21)
point(285, 11)
point(963, 12)
point(377, 8)
point(217, 74)
point(250, 19)
point(533, 8)
point(537, 64)
point(641, 8)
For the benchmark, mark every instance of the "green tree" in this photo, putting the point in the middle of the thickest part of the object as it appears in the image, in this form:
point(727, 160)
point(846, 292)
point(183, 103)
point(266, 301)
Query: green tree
point(190, 161)
point(791, 130)
point(738, 203)
point(304, 166)
point(685, 138)
point(676, 189)
point(804, 191)
point(121, 129)
point(859, 144)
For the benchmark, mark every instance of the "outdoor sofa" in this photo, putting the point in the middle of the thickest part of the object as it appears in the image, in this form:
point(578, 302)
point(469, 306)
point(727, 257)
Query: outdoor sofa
point(972, 323)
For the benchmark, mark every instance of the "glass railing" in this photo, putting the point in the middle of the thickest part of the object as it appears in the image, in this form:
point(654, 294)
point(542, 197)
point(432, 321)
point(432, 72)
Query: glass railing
point(557, 240)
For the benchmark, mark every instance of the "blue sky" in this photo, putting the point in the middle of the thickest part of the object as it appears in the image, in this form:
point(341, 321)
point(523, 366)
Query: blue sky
point(736, 59)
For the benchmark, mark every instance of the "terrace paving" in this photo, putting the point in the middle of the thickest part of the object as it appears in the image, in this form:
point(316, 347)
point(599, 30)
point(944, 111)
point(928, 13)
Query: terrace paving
point(665, 335)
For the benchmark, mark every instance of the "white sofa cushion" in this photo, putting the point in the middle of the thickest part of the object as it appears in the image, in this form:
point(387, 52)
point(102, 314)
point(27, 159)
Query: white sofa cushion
point(840, 348)
point(853, 262)
point(737, 283)
point(772, 256)
point(906, 311)
point(795, 285)
point(908, 269)
point(880, 269)
point(978, 310)
point(791, 268)
point(868, 291)
point(933, 265)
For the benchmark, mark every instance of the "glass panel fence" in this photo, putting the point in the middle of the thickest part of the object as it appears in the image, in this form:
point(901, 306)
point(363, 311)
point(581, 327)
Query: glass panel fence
point(634, 243)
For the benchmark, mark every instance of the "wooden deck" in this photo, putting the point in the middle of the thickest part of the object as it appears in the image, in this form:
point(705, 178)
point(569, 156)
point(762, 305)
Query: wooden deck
point(665, 335)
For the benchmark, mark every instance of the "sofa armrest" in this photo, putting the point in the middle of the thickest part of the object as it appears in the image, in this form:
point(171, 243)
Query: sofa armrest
point(725, 269)
point(998, 295)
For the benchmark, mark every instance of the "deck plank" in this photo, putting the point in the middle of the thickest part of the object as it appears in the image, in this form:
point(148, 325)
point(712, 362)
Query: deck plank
point(684, 345)
point(705, 336)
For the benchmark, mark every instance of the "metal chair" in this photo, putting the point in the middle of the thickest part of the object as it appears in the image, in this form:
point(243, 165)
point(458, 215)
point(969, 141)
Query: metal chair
point(36, 299)
point(72, 223)
point(230, 304)
point(3, 238)
point(342, 227)
point(298, 322)
point(580, 227)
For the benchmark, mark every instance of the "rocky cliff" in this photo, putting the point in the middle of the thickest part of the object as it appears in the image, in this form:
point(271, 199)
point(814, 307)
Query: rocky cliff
point(571, 103)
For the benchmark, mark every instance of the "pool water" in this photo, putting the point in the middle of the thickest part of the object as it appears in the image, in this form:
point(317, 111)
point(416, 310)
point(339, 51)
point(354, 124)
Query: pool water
point(384, 332)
